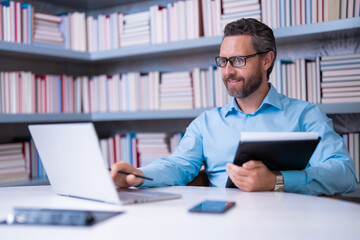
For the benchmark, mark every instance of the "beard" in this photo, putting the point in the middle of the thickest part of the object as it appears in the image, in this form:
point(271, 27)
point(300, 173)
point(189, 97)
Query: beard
point(249, 86)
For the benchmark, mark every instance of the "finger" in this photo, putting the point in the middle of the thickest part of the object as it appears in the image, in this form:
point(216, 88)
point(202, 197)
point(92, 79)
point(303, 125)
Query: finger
point(235, 170)
point(120, 180)
point(252, 164)
point(240, 182)
point(132, 180)
point(238, 175)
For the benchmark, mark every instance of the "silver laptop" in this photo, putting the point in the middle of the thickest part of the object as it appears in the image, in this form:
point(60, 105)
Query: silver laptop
point(72, 158)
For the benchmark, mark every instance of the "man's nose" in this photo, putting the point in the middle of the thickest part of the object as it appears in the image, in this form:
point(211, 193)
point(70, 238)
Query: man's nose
point(228, 69)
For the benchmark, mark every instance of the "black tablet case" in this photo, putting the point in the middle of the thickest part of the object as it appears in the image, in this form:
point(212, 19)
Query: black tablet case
point(276, 155)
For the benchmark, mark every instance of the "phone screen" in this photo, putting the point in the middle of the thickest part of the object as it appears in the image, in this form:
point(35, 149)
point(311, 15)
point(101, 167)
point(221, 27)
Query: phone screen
point(209, 206)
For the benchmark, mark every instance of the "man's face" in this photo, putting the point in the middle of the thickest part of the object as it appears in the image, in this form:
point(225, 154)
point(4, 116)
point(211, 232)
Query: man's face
point(241, 82)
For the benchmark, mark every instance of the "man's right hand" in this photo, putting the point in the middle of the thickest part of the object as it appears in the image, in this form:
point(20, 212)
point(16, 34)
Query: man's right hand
point(125, 181)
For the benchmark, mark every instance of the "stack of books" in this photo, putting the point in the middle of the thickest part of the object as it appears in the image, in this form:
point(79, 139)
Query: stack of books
point(176, 91)
point(47, 29)
point(12, 163)
point(340, 78)
point(235, 9)
point(152, 146)
point(136, 29)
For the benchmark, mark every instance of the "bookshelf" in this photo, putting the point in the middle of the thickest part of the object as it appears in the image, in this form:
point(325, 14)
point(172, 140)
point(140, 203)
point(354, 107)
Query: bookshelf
point(296, 41)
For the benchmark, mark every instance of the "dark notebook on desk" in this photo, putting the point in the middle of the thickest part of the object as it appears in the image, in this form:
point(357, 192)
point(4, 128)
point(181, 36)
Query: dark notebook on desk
point(277, 150)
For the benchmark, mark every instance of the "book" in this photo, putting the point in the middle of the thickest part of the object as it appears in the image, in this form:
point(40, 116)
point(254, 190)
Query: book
point(277, 150)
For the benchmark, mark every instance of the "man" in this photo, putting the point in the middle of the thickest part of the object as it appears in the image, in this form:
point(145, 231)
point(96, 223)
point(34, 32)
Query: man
point(247, 55)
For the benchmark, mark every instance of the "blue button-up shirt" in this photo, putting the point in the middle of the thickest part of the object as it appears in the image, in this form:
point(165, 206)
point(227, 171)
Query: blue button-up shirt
point(212, 139)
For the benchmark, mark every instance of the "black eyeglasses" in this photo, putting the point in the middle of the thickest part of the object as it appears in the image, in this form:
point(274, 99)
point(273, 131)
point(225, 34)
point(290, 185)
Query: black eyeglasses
point(235, 61)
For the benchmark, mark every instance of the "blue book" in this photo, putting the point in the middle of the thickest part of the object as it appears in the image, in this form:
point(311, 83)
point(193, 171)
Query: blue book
point(128, 149)
point(5, 3)
point(282, 13)
point(308, 11)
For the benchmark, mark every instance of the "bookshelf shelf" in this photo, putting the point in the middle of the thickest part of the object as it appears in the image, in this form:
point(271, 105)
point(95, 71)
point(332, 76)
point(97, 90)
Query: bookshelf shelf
point(43, 118)
point(310, 31)
point(340, 108)
point(100, 117)
point(41, 52)
point(199, 45)
point(290, 35)
point(147, 115)
point(329, 108)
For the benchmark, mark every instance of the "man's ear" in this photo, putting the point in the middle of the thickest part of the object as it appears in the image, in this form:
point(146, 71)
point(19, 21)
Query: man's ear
point(268, 58)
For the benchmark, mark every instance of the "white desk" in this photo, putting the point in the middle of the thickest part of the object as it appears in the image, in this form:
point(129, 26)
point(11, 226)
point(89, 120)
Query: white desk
point(265, 215)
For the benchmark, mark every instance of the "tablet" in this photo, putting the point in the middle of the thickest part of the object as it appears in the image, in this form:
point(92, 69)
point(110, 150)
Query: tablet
point(278, 151)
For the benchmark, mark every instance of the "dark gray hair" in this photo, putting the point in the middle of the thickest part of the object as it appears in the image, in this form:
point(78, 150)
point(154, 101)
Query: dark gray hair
point(263, 39)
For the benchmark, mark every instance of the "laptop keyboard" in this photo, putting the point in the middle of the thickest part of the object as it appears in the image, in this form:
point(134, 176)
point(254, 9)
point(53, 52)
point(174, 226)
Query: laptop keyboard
point(140, 195)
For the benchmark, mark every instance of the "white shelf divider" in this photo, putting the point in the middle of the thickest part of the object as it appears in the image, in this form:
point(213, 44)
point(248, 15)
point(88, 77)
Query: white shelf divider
point(329, 108)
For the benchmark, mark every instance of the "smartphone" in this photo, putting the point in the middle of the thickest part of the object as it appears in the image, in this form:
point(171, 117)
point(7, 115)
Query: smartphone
point(210, 206)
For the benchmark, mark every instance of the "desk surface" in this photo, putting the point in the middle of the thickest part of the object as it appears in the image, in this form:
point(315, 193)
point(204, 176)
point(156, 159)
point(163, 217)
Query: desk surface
point(263, 215)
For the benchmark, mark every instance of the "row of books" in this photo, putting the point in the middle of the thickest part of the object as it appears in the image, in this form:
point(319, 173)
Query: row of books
point(286, 13)
point(138, 149)
point(299, 79)
point(323, 80)
point(24, 92)
point(352, 140)
point(327, 79)
point(175, 21)
point(16, 22)
point(233, 10)
point(19, 161)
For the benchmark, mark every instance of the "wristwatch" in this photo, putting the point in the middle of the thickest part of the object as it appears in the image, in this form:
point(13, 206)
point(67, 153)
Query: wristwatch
point(279, 185)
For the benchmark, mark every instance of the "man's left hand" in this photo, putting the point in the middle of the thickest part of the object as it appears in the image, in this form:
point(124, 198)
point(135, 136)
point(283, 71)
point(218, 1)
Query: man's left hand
point(252, 176)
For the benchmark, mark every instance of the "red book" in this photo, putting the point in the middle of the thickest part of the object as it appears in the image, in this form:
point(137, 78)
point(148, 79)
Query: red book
point(72, 95)
point(33, 89)
point(63, 93)
point(1, 36)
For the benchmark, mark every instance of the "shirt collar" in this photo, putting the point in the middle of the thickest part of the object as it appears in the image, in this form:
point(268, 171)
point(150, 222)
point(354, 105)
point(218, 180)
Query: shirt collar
point(273, 98)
